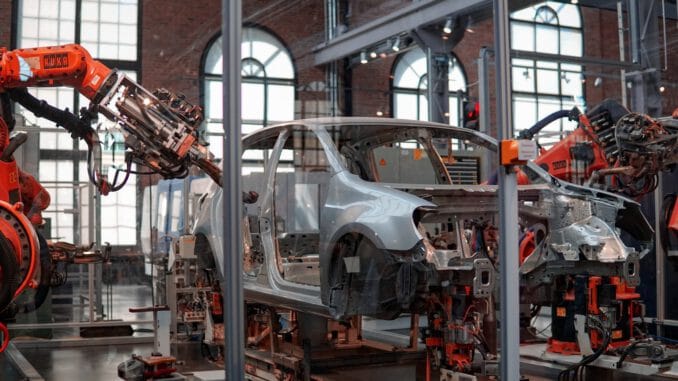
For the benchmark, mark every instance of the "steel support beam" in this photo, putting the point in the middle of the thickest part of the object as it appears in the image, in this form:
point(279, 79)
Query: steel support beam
point(573, 60)
point(234, 314)
point(418, 14)
point(484, 103)
point(508, 205)
point(644, 35)
point(437, 66)
point(660, 256)
point(646, 98)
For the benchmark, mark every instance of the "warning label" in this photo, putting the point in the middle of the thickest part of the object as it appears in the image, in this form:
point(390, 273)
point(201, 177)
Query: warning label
point(55, 61)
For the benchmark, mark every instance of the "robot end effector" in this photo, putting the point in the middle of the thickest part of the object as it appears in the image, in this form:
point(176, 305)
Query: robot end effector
point(160, 128)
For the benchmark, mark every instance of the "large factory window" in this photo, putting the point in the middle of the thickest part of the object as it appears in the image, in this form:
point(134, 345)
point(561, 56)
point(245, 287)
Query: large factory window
point(267, 84)
point(541, 87)
point(410, 82)
point(108, 29)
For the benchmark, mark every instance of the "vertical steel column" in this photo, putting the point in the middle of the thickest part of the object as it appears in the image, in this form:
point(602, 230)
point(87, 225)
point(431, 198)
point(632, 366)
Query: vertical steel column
point(234, 321)
point(332, 70)
point(660, 257)
point(484, 103)
point(508, 205)
point(622, 53)
point(186, 190)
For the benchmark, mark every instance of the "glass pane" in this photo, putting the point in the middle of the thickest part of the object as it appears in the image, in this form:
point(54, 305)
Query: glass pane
point(30, 8)
point(49, 8)
point(29, 26)
point(90, 11)
point(423, 107)
point(522, 79)
point(405, 106)
point(109, 12)
point(571, 84)
point(279, 66)
point(524, 112)
point(252, 101)
point(214, 60)
point(214, 100)
point(455, 116)
point(409, 70)
point(522, 36)
point(548, 81)
point(280, 103)
point(547, 41)
point(571, 42)
point(67, 10)
point(216, 144)
point(109, 29)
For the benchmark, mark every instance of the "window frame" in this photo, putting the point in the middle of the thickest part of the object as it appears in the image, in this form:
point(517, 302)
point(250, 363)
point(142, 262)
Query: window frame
point(562, 70)
point(265, 81)
point(422, 86)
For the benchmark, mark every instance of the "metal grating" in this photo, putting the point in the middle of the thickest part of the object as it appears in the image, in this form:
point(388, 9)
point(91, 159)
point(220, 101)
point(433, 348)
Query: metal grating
point(465, 170)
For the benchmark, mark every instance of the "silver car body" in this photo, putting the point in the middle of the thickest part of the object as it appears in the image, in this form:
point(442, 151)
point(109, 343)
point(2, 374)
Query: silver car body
point(582, 226)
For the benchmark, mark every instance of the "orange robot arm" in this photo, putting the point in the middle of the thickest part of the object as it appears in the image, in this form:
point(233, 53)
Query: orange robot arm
point(66, 65)
point(34, 196)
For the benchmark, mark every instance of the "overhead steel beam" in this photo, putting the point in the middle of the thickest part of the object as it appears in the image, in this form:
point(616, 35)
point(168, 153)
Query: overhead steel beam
point(413, 16)
point(573, 60)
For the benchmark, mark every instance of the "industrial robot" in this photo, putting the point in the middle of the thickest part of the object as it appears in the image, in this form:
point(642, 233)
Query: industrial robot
point(160, 130)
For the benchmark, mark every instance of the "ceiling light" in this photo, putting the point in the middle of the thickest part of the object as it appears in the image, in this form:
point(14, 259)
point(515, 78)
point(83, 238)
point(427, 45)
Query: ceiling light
point(469, 25)
point(396, 44)
point(373, 54)
point(662, 88)
point(363, 57)
point(447, 29)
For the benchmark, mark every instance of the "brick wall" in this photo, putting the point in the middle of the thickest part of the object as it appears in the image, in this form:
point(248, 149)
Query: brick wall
point(174, 37)
point(300, 25)
point(360, 12)
point(5, 23)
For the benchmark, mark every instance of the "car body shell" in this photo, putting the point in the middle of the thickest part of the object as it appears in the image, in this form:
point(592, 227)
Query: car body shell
point(384, 214)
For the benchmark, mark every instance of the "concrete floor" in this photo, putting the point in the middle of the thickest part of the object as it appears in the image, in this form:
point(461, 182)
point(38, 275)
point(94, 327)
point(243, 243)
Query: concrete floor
point(101, 362)
point(71, 361)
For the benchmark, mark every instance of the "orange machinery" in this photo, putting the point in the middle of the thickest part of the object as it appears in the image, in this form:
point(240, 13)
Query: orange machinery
point(622, 152)
point(160, 130)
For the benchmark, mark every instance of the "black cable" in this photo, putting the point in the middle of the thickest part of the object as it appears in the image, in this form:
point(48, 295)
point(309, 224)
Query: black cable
point(565, 374)
point(530, 132)
point(78, 127)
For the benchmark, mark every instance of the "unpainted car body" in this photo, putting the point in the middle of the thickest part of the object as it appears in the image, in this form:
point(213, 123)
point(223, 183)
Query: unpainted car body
point(370, 216)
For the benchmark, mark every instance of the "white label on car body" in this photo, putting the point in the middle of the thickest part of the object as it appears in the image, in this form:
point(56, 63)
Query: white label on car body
point(352, 264)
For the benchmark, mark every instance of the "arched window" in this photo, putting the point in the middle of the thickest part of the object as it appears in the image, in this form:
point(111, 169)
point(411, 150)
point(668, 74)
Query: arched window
point(410, 82)
point(541, 87)
point(267, 84)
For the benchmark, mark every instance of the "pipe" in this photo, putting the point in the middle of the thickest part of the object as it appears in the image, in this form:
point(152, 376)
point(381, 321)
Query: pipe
point(78, 127)
point(530, 132)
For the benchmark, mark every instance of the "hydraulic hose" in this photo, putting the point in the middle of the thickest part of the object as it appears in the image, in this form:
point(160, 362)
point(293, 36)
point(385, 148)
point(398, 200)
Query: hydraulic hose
point(78, 127)
point(530, 132)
